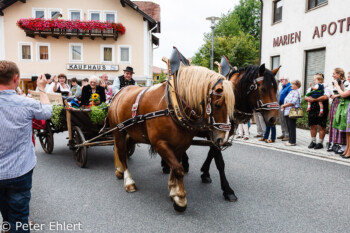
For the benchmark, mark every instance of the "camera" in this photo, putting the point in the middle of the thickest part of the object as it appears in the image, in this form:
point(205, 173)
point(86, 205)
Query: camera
point(338, 80)
point(34, 78)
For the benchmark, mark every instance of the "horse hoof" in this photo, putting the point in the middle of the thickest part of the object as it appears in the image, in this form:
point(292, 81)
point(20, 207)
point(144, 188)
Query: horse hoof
point(130, 188)
point(119, 175)
point(186, 168)
point(166, 170)
point(179, 208)
point(231, 197)
point(206, 179)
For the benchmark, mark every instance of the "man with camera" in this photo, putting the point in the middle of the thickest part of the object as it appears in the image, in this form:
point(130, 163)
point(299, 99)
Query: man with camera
point(49, 85)
point(17, 156)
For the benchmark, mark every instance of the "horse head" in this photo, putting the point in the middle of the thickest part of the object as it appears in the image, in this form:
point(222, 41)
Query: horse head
point(209, 94)
point(256, 88)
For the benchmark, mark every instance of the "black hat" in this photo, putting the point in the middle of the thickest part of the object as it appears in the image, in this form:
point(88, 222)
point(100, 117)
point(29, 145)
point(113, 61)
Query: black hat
point(129, 69)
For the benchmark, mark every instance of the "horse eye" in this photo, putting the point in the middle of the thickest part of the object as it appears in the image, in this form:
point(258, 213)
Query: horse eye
point(217, 106)
point(263, 89)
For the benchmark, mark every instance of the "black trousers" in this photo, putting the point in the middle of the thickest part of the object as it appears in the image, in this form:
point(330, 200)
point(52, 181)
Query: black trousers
point(292, 129)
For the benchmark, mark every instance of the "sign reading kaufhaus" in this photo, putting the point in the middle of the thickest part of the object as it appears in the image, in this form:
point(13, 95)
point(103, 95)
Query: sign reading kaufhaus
point(339, 26)
point(97, 67)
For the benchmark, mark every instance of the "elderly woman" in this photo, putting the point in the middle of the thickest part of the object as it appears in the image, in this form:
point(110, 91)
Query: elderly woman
point(292, 100)
point(60, 85)
point(90, 89)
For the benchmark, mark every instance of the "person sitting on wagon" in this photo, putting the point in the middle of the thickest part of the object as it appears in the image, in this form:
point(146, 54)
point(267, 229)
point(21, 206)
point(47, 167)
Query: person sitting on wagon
point(91, 89)
point(124, 80)
point(61, 86)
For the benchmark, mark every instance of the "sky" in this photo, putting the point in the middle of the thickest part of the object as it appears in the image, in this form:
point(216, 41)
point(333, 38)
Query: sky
point(183, 25)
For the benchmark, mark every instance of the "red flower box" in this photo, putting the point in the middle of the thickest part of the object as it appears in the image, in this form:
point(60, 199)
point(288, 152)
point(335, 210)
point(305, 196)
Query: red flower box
point(48, 24)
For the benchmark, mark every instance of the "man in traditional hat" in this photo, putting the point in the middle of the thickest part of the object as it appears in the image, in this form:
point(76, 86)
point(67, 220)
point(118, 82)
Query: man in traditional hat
point(124, 80)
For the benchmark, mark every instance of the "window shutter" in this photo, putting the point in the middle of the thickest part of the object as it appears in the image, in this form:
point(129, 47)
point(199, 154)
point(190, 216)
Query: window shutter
point(315, 63)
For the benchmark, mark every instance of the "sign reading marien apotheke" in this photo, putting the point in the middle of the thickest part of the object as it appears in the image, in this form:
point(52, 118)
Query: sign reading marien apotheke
point(92, 67)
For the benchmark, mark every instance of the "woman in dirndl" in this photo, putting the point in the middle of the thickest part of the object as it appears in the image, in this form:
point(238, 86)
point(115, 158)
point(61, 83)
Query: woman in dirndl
point(337, 138)
point(341, 119)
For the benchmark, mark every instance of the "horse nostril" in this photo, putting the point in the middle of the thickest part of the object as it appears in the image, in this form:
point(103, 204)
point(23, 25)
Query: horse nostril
point(272, 120)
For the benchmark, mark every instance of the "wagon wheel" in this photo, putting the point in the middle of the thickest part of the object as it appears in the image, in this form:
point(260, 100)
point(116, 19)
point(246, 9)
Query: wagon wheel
point(80, 153)
point(46, 138)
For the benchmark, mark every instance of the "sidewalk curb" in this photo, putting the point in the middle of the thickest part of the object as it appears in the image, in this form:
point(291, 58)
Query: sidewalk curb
point(304, 153)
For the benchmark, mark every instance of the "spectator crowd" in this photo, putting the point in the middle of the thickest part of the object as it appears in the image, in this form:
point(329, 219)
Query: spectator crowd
point(327, 108)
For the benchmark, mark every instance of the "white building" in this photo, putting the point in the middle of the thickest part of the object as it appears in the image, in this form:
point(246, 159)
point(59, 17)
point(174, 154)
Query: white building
point(306, 37)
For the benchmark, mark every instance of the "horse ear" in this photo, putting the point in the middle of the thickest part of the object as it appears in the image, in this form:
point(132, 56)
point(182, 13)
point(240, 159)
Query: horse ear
point(233, 79)
point(276, 70)
point(262, 70)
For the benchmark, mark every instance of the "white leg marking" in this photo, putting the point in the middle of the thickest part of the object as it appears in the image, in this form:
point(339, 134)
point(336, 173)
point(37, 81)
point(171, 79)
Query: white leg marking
point(127, 178)
point(182, 202)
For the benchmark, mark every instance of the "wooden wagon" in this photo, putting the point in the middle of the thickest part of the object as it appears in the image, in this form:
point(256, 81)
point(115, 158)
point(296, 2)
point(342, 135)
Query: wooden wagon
point(82, 134)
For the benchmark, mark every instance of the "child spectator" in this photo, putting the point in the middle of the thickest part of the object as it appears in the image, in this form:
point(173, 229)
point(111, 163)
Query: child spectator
point(316, 91)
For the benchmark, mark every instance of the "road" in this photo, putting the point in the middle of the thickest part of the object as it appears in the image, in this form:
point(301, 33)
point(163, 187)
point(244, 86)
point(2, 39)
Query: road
point(277, 192)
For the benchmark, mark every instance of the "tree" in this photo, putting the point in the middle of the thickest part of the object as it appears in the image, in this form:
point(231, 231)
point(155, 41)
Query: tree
point(162, 77)
point(236, 37)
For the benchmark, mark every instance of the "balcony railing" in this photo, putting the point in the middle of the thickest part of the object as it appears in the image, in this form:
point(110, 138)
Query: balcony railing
point(70, 28)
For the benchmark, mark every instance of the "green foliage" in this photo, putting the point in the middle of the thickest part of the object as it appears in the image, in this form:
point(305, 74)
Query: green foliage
point(162, 77)
point(57, 118)
point(99, 113)
point(236, 37)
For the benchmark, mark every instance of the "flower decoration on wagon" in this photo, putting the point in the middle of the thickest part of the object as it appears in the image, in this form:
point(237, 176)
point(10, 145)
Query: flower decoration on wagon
point(49, 24)
point(95, 99)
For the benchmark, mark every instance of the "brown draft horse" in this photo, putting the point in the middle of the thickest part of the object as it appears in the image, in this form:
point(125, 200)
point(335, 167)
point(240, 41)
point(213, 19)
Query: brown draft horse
point(255, 89)
point(166, 137)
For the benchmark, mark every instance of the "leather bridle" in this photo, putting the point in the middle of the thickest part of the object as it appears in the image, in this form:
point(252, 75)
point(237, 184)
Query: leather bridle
point(211, 121)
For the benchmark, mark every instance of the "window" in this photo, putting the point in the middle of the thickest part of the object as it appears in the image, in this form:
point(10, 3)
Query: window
point(316, 3)
point(39, 13)
point(95, 15)
point(275, 63)
point(110, 16)
point(75, 52)
point(315, 63)
point(54, 13)
point(74, 14)
point(124, 54)
point(43, 52)
point(25, 51)
point(277, 11)
point(107, 53)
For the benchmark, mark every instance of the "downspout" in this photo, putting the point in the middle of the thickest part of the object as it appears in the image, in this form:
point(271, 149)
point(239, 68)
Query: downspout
point(261, 28)
point(149, 81)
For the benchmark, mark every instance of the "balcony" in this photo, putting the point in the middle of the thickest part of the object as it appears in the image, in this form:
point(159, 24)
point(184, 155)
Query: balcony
point(70, 28)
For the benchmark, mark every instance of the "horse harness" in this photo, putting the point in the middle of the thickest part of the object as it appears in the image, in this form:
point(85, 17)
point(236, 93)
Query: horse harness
point(177, 112)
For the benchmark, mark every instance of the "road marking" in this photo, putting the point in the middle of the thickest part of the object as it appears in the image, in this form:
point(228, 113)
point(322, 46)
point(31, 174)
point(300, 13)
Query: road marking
point(306, 154)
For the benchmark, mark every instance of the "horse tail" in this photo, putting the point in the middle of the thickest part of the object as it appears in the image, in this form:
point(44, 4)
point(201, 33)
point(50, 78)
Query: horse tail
point(152, 152)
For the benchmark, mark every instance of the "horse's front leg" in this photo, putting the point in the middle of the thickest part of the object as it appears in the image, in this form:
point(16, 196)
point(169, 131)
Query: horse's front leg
point(205, 168)
point(176, 176)
point(229, 194)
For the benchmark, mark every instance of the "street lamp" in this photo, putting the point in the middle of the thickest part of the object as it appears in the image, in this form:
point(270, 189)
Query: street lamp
point(212, 26)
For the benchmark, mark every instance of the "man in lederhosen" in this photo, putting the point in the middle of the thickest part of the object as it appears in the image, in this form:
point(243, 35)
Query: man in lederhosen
point(124, 80)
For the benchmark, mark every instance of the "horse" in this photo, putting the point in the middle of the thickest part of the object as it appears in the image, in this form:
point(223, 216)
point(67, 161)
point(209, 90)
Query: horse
point(205, 92)
point(255, 89)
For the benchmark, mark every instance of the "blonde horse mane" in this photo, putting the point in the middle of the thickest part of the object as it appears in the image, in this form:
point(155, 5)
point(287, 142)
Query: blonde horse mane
point(194, 83)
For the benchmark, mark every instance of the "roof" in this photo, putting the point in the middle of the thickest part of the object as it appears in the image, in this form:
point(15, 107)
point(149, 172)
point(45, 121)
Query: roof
point(6, 3)
point(150, 8)
point(145, 9)
point(158, 70)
